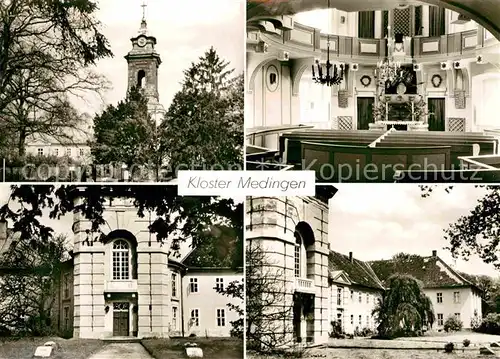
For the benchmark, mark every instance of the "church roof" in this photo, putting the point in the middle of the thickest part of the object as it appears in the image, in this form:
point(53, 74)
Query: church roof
point(358, 272)
point(432, 271)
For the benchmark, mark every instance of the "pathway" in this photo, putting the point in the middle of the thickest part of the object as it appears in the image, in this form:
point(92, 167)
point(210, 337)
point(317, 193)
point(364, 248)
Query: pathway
point(122, 351)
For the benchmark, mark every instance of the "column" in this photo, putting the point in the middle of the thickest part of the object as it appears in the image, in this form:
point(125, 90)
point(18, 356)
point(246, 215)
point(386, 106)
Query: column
point(378, 24)
point(425, 20)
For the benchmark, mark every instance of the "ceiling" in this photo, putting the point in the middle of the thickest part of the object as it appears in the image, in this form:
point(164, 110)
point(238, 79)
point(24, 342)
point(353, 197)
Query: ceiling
point(484, 12)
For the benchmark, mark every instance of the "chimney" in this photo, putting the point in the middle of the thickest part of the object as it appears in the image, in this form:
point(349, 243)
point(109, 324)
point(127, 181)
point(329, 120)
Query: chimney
point(350, 257)
point(434, 253)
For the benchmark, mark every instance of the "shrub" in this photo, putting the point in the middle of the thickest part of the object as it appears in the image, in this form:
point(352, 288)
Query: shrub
point(490, 324)
point(336, 330)
point(453, 324)
point(448, 348)
point(475, 323)
point(466, 342)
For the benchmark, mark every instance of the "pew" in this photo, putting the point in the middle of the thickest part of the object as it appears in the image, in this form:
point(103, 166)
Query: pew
point(290, 142)
point(456, 151)
point(341, 163)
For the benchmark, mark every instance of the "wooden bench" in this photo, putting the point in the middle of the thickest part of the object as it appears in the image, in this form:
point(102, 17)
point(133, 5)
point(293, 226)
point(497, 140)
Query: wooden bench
point(465, 176)
point(339, 163)
point(456, 151)
point(486, 146)
point(290, 142)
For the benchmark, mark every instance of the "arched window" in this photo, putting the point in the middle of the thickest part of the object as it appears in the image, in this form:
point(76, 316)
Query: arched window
point(121, 260)
point(141, 79)
point(298, 251)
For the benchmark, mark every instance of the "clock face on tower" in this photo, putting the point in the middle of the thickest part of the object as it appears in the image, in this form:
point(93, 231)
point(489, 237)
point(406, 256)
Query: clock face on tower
point(141, 42)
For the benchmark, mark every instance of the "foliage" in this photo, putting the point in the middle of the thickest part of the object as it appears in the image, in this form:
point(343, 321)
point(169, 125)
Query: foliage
point(204, 124)
point(126, 133)
point(475, 322)
point(46, 49)
point(178, 218)
point(453, 324)
point(466, 342)
point(478, 232)
point(490, 324)
point(28, 295)
point(267, 314)
point(337, 331)
point(404, 308)
point(236, 290)
point(449, 347)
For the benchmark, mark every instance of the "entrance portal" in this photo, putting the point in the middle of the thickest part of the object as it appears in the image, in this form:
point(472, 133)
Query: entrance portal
point(121, 319)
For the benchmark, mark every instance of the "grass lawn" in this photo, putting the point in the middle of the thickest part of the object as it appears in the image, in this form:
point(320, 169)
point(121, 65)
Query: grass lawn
point(381, 354)
point(24, 348)
point(213, 348)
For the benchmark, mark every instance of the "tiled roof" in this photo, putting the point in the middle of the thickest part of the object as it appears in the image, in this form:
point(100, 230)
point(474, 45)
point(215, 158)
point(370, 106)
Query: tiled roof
point(431, 271)
point(358, 271)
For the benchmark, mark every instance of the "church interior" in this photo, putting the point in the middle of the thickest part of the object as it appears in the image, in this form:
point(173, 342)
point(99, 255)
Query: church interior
point(407, 89)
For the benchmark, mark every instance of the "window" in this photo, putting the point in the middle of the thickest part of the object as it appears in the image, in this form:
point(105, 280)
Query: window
point(360, 298)
point(352, 295)
point(440, 297)
point(221, 318)
point(121, 260)
point(360, 321)
point(440, 319)
point(339, 295)
point(456, 297)
point(367, 321)
point(193, 285)
point(82, 152)
point(219, 283)
point(68, 152)
point(174, 285)
point(298, 245)
point(66, 286)
point(174, 318)
point(40, 152)
point(457, 316)
point(195, 317)
point(352, 319)
point(56, 151)
point(367, 298)
point(66, 318)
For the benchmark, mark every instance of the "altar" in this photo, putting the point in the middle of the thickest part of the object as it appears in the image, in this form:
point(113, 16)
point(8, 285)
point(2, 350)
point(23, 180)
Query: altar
point(399, 126)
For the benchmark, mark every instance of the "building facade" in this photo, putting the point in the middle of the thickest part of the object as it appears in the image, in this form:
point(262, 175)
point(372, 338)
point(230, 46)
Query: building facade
point(326, 288)
point(127, 284)
point(453, 60)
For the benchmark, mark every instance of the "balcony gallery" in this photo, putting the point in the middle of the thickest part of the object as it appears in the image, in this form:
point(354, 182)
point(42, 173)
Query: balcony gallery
point(394, 93)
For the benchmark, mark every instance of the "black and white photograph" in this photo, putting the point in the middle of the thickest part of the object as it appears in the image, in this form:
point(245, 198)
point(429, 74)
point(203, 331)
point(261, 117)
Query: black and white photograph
point(374, 91)
point(130, 272)
point(120, 90)
point(409, 271)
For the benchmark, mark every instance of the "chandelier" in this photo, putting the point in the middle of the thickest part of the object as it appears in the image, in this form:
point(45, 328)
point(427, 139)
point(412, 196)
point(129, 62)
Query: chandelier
point(328, 78)
point(388, 70)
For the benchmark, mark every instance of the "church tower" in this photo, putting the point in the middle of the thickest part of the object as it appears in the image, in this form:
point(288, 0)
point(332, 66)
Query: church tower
point(143, 63)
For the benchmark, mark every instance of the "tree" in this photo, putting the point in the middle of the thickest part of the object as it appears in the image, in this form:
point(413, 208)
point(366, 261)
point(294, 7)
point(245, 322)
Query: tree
point(268, 315)
point(236, 290)
point(27, 297)
point(204, 124)
point(477, 232)
point(404, 308)
point(46, 49)
point(126, 133)
point(178, 218)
